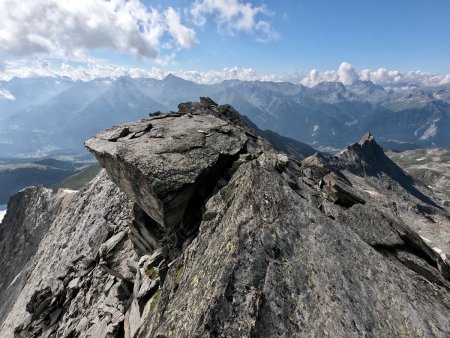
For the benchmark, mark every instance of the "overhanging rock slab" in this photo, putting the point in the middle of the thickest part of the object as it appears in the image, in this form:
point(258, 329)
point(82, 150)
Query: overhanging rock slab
point(159, 161)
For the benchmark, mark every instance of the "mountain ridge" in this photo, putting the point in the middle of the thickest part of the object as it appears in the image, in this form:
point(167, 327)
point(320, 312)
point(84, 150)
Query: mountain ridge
point(215, 233)
point(327, 115)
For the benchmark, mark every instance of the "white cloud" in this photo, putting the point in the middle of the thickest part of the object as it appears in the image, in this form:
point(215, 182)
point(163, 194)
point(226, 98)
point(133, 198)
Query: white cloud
point(381, 76)
point(387, 78)
point(68, 28)
point(393, 78)
point(4, 94)
point(235, 16)
point(97, 69)
point(234, 73)
point(346, 73)
point(184, 36)
point(314, 77)
point(92, 69)
point(427, 79)
point(84, 71)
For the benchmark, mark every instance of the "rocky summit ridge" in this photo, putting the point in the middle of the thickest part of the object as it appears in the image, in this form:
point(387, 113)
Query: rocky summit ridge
point(199, 227)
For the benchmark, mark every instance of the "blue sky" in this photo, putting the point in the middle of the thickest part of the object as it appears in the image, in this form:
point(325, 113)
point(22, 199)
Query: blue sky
point(276, 37)
point(402, 35)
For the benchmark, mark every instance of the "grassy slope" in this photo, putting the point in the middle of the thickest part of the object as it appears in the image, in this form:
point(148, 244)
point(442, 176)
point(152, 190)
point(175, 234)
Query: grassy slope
point(77, 181)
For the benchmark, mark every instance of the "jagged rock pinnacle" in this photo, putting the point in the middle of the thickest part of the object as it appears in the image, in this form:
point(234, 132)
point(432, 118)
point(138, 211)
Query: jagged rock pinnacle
point(366, 138)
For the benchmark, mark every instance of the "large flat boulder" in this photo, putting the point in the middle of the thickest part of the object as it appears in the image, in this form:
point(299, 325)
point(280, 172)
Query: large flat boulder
point(160, 161)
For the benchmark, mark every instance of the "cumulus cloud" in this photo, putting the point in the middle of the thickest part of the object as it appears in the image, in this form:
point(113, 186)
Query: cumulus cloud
point(382, 76)
point(69, 28)
point(315, 77)
point(184, 36)
point(346, 74)
point(235, 16)
point(388, 78)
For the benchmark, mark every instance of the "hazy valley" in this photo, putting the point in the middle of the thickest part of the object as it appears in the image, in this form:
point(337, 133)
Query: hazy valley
point(45, 117)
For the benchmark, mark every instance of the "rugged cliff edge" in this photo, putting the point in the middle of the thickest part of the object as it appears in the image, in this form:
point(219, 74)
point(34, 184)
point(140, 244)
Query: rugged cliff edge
point(203, 229)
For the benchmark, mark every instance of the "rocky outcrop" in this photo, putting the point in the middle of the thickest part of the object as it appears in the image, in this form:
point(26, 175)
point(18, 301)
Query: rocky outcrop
point(365, 166)
point(24, 226)
point(168, 163)
point(62, 289)
point(428, 166)
point(217, 234)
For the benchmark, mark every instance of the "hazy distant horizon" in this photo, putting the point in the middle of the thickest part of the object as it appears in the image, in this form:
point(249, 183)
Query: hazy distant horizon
point(345, 74)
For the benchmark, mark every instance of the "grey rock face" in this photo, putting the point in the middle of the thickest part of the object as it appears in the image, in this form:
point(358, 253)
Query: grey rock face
point(430, 167)
point(364, 165)
point(267, 246)
point(62, 287)
point(31, 213)
point(163, 161)
point(282, 268)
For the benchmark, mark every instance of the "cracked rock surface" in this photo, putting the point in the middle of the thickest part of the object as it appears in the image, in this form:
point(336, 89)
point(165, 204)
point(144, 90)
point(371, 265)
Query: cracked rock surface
point(208, 231)
point(162, 168)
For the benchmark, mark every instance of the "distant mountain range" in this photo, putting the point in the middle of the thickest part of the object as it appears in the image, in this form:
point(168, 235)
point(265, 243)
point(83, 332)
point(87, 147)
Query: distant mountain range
point(45, 116)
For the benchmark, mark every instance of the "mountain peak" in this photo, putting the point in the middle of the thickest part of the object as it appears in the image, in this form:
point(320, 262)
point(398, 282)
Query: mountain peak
point(365, 147)
point(367, 158)
point(369, 147)
point(171, 77)
point(368, 137)
point(330, 85)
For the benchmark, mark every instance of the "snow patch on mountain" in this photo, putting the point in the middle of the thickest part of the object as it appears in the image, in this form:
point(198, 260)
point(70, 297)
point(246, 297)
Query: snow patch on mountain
point(2, 214)
point(430, 132)
point(315, 129)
